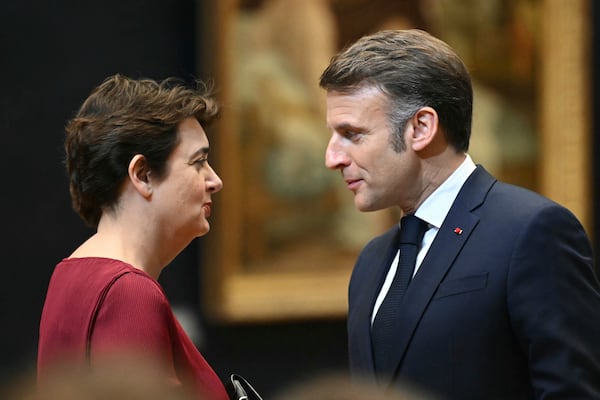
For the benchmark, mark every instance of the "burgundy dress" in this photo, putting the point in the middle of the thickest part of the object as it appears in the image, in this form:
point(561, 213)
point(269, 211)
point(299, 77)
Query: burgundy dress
point(95, 306)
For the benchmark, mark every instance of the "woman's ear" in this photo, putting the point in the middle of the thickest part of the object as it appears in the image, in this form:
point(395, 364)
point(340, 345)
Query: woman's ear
point(139, 175)
point(425, 128)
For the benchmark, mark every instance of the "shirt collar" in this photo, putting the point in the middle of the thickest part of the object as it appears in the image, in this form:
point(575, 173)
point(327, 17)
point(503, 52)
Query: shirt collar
point(435, 207)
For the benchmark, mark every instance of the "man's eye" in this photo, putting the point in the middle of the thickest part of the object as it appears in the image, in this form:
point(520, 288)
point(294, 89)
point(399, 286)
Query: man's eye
point(352, 135)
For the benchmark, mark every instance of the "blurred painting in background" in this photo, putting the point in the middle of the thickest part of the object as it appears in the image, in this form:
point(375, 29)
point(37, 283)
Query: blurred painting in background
point(287, 230)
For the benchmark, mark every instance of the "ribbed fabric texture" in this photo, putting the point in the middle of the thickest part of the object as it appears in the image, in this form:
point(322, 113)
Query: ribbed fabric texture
point(96, 307)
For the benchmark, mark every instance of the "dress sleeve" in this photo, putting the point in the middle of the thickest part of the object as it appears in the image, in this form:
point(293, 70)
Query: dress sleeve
point(134, 317)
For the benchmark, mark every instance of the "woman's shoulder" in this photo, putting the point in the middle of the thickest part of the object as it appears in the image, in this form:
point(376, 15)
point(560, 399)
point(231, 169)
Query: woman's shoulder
point(100, 267)
point(121, 288)
point(107, 274)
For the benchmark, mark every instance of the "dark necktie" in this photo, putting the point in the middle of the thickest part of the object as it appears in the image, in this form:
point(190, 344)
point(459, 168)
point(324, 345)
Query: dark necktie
point(412, 230)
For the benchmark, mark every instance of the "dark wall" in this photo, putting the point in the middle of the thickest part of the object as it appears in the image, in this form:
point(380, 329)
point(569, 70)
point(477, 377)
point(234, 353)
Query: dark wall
point(596, 128)
point(52, 54)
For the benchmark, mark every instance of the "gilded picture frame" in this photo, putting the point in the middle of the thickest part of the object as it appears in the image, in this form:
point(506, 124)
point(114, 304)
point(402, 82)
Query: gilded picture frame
point(284, 237)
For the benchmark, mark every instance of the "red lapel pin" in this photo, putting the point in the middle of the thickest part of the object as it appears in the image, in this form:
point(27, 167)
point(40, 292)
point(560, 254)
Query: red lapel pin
point(458, 231)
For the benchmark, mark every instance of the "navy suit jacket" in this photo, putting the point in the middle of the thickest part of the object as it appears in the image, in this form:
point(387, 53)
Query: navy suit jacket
point(505, 307)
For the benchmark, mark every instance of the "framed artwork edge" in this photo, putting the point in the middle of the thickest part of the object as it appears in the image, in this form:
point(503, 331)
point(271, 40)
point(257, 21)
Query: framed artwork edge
point(232, 294)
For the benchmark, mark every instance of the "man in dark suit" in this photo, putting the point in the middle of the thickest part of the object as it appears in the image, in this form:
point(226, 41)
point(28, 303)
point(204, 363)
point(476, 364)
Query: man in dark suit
point(503, 302)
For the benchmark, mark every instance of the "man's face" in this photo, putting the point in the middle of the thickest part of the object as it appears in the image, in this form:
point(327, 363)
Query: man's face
point(360, 148)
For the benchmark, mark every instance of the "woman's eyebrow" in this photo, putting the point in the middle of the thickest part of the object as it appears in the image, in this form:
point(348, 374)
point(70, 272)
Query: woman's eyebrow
point(200, 152)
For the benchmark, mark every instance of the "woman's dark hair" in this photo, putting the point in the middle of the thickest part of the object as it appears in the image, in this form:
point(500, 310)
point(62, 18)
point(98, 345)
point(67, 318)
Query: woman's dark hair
point(123, 117)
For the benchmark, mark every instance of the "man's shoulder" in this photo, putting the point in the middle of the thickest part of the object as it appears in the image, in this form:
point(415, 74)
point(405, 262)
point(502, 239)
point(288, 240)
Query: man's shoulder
point(520, 197)
point(498, 193)
point(380, 242)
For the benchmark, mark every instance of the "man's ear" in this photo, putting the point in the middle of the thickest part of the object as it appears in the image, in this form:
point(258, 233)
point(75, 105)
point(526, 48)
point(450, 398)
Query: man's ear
point(425, 124)
point(139, 175)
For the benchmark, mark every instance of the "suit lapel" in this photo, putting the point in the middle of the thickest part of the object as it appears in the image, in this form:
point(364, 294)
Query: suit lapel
point(364, 307)
point(453, 234)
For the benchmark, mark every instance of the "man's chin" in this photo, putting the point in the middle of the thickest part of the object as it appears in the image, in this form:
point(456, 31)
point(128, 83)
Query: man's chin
point(364, 207)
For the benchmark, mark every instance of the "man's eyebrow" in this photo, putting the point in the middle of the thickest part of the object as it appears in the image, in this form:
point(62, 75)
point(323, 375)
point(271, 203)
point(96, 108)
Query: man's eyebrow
point(345, 126)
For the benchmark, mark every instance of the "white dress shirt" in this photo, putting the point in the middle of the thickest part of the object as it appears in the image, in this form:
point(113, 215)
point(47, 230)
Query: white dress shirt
point(433, 211)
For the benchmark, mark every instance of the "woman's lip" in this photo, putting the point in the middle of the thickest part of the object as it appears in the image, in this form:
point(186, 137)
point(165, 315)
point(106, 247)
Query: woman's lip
point(206, 208)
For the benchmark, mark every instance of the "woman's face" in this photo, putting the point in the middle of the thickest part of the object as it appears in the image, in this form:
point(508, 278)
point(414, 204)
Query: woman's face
point(183, 197)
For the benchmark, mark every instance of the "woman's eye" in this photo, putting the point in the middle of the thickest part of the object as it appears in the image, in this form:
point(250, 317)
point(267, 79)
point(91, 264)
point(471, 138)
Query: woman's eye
point(200, 162)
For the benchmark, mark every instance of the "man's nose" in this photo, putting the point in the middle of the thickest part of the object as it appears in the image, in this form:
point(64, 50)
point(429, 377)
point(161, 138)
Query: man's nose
point(335, 156)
